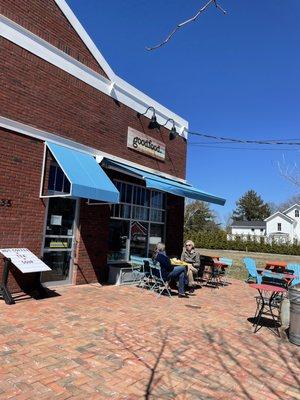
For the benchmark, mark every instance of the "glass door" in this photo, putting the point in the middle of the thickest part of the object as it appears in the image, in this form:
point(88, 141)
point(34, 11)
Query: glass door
point(59, 240)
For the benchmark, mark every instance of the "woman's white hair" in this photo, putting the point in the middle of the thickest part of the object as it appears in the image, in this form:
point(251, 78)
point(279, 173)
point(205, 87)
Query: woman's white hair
point(190, 242)
point(160, 247)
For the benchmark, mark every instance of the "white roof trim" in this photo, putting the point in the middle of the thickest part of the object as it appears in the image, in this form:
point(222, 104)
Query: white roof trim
point(28, 130)
point(279, 214)
point(290, 208)
point(71, 17)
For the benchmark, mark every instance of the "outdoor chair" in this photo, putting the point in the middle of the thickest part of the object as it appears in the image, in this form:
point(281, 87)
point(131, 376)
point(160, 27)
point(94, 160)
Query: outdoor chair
point(229, 262)
point(252, 271)
point(141, 271)
point(272, 278)
point(160, 285)
point(296, 271)
point(213, 272)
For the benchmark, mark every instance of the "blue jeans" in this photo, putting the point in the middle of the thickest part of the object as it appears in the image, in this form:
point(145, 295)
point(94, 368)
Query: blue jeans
point(179, 273)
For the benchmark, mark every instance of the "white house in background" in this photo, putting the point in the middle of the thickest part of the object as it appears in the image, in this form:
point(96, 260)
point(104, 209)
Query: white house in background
point(257, 228)
point(284, 226)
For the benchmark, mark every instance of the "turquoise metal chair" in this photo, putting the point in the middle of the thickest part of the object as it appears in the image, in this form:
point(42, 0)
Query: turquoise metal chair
point(296, 269)
point(229, 262)
point(252, 271)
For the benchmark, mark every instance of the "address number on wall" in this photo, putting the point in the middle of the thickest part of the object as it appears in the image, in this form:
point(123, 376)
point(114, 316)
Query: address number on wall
point(5, 203)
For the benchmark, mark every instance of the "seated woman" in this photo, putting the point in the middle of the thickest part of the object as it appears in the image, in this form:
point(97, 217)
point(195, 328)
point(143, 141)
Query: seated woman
point(168, 271)
point(192, 257)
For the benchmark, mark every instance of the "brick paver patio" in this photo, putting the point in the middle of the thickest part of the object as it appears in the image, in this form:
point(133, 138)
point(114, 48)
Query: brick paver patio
point(95, 342)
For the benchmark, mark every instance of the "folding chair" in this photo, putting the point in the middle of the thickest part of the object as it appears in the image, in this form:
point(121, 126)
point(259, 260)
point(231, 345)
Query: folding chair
point(160, 285)
point(140, 271)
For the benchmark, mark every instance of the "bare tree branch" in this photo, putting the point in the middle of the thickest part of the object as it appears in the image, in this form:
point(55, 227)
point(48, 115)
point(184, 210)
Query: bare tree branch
point(290, 172)
point(192, 19)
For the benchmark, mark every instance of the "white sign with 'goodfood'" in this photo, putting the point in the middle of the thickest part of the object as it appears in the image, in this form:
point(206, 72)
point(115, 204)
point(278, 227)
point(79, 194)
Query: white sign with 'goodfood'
point(145, 144)
point(24, 260)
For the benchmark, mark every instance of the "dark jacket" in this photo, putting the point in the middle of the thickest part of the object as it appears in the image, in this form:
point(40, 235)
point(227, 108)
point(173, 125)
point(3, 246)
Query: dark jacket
point(165, 264)
point(192, 257)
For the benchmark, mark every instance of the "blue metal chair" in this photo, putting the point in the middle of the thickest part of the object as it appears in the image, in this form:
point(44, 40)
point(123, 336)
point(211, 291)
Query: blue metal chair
point(296, 269)
point(140, 270)
point(252, 271)
point(229, 262)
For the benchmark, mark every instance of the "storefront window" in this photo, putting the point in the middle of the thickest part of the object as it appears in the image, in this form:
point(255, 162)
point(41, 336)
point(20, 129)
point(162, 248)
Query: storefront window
point(137, 223)
point(118, 240)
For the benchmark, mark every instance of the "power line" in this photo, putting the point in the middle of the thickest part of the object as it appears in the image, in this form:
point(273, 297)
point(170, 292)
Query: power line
point(241, 148)
point(247, 141)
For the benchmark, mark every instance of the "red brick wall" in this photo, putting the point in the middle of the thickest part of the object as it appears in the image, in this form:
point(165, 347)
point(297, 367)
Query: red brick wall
point(93, 243)
point(45, 19)
point(46, 97)
point(22, 224)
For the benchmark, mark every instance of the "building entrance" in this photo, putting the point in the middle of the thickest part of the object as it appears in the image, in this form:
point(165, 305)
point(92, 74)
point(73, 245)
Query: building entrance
point(59, 240)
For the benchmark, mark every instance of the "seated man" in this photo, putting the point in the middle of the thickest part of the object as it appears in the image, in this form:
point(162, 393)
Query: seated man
point(168, 271)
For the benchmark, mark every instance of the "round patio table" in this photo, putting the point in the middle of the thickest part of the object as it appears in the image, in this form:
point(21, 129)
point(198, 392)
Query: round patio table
point(267, 302)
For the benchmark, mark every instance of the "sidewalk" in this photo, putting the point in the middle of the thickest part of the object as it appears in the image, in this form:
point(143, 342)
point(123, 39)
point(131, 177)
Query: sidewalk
point(95, 342)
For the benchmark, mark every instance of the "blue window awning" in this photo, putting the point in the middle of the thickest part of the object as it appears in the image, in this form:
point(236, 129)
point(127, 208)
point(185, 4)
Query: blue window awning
point(166, 185)
point(87, 178)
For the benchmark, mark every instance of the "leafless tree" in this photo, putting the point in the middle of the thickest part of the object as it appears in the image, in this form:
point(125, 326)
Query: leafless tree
point(192, 19)
point(290, 171)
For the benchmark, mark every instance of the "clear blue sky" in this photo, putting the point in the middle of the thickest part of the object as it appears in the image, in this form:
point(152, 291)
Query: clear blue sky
point(236, 75)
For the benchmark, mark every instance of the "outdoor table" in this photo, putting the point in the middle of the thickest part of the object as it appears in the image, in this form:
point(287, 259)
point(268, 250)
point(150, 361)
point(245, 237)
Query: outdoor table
point(274, 265)
point(288, 278)
point(267, 303)
point(214, 257)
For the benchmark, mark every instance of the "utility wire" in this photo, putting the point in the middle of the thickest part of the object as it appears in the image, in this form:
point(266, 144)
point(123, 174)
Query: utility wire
point(241, 148)
point(247, 141)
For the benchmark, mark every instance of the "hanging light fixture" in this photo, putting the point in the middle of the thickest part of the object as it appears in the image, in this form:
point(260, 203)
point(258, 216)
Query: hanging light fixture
point(173, 133)
point(153, 124)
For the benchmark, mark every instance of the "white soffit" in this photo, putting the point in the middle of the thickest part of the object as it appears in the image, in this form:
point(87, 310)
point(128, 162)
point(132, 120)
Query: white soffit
point(45, 136)
point(115, 87)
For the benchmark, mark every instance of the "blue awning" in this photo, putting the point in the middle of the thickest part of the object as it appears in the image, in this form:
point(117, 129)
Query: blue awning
point(87, 178)
point(166, 185)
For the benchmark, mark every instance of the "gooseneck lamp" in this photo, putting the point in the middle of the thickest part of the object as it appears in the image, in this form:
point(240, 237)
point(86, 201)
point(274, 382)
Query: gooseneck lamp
point(173, 133)
point(153, 124)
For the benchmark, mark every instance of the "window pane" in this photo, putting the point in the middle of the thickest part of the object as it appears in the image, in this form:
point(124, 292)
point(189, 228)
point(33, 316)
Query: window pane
point(139, 239)
point(59, 180)
point(51, 180)
point(140, 213)
point(61, 213)
point(128, 194)
point(156, 236)
point(157, 199)
point(157, 215)
point(118, 240)
point(67, 186)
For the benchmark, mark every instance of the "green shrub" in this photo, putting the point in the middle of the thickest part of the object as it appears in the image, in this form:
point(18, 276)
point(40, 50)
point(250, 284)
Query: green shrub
point(218, 240)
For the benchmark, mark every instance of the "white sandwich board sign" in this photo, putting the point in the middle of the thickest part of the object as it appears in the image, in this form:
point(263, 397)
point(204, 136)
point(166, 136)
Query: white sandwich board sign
point(24, 260)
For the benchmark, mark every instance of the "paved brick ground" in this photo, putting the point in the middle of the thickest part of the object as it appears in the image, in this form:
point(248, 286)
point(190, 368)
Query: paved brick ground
point(95, 342)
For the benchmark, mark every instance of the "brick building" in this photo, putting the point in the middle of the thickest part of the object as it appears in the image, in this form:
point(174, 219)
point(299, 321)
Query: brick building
point(86, 180)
